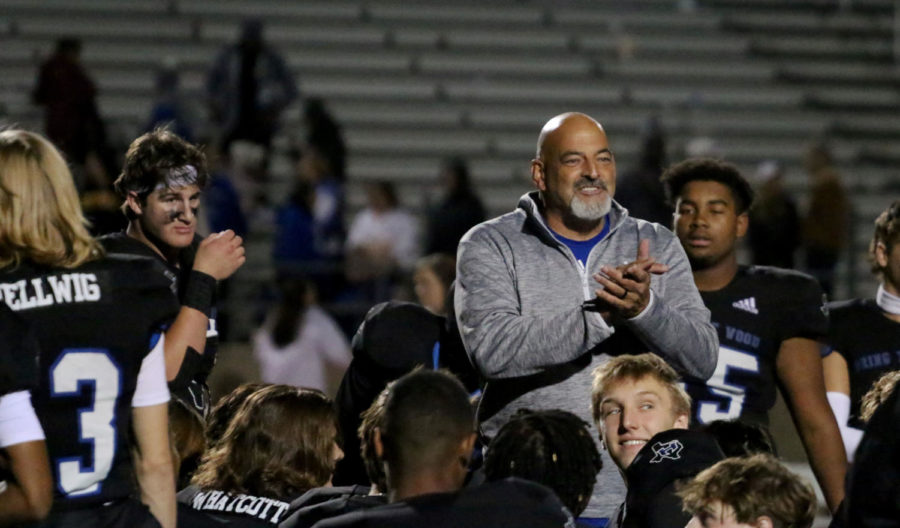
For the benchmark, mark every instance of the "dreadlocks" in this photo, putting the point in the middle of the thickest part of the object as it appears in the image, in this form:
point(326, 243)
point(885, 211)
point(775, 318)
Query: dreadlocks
point(553, 448)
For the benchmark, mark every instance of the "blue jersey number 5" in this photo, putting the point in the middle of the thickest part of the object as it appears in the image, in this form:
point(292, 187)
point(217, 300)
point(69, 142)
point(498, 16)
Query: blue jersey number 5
point(729, 359)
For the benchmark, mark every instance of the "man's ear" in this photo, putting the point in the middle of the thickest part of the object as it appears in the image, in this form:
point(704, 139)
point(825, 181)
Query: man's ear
point(682, 422)
point(465, 449)
point(376, 442)
point(538, 175)
point(743, 221)
point(134, 202)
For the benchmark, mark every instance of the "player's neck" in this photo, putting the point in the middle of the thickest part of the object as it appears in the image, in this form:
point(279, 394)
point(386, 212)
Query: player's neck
point(888, 296)
point(717, 276)
point(169, 254)
point(424, 483)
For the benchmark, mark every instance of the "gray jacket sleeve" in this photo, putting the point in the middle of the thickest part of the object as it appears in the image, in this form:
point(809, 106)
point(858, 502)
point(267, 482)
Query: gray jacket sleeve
point(677, 325)
point(501, 341)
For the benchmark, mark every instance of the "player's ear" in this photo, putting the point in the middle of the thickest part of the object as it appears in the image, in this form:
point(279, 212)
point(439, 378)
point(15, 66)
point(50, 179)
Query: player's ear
point(682, 422)
point(881, 255)
point(134, 202)
point(377, 443)
point(537, 174)
point(743, 221)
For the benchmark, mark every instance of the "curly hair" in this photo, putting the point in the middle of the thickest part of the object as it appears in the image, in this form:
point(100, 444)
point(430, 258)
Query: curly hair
point(708, 169)
point(151, 160)
point(551, 447)
point(40, 213)
point(752, 487)
point(279, 444)
point(887, 232)
point(738, 438)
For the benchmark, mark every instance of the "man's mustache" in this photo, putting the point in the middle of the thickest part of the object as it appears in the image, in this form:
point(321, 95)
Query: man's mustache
point(585, 182)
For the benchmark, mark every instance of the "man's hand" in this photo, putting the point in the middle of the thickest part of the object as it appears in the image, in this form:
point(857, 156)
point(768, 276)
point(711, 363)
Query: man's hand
point(626, 288)
point(220, 255)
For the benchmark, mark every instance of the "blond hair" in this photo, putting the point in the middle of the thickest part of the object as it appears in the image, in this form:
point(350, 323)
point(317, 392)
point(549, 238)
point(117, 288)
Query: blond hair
point(40, 215)
point(752, 487)
point(631, 367)
point(880, 390)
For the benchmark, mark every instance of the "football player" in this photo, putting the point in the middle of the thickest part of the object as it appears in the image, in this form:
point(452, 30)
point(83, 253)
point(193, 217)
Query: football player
point(864, 334)
point(102, 395)
point(26, 488)
point(161, 182)
point(769, 320)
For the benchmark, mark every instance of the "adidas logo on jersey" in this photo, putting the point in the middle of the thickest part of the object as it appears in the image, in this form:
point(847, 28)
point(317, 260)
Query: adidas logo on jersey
point(747, 305)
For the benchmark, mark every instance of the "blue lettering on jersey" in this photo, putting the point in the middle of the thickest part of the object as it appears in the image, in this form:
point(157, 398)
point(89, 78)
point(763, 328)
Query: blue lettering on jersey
point(877, 360)
point(742, 337)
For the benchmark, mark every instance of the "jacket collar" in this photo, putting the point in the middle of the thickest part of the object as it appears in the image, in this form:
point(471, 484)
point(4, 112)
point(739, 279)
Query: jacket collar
point(529, 203)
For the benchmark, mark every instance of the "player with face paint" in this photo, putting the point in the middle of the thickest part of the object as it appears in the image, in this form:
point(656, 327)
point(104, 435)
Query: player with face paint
point(161, 183)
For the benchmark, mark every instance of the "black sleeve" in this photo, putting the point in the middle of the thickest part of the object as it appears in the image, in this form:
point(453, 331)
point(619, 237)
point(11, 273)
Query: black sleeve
point(805, 313)
point(18, 353)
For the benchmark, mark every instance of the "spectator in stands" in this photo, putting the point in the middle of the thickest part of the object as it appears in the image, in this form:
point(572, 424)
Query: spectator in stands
point(382, 244)
point(738, 438)
point(71, 120)
point(425, 442)
point(643, 413)
point(221, 200)
point(774, 222)
point(249, 86)
point(282, 442)
point(299, 343)
point(458, 210)
point(431, 281)
point(310, 234)
point(826, 226)
point(393, 339)
point(755, 491)
point(73, 123)
point(171, 109)
point(551, 447)
point(862, 332)
point(324, 135)
point(640, 190)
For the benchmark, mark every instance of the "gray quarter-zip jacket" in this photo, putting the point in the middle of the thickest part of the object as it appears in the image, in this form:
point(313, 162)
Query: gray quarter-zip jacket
point(520, 305)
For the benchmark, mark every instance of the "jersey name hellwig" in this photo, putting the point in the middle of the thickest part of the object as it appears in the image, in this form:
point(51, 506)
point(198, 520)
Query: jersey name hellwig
point(39, 292)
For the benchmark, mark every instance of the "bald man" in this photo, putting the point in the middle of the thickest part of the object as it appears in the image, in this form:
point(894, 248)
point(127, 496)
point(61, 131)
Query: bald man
point(548, 292)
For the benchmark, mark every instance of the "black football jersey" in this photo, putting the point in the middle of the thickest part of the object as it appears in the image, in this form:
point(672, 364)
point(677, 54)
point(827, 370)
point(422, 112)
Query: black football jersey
point(18, 353)
point(190, 385)
point(761, 307)
point(869, 343)
point(233, 509)
point(507, 503)
point(95, 325)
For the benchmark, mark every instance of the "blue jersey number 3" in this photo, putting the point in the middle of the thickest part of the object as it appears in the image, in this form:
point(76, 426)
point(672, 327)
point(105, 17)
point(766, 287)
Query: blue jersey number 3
point(74, 370)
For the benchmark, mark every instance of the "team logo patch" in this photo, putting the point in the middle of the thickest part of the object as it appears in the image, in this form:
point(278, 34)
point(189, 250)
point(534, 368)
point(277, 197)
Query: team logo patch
point(747, 305)
point(670, 450)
